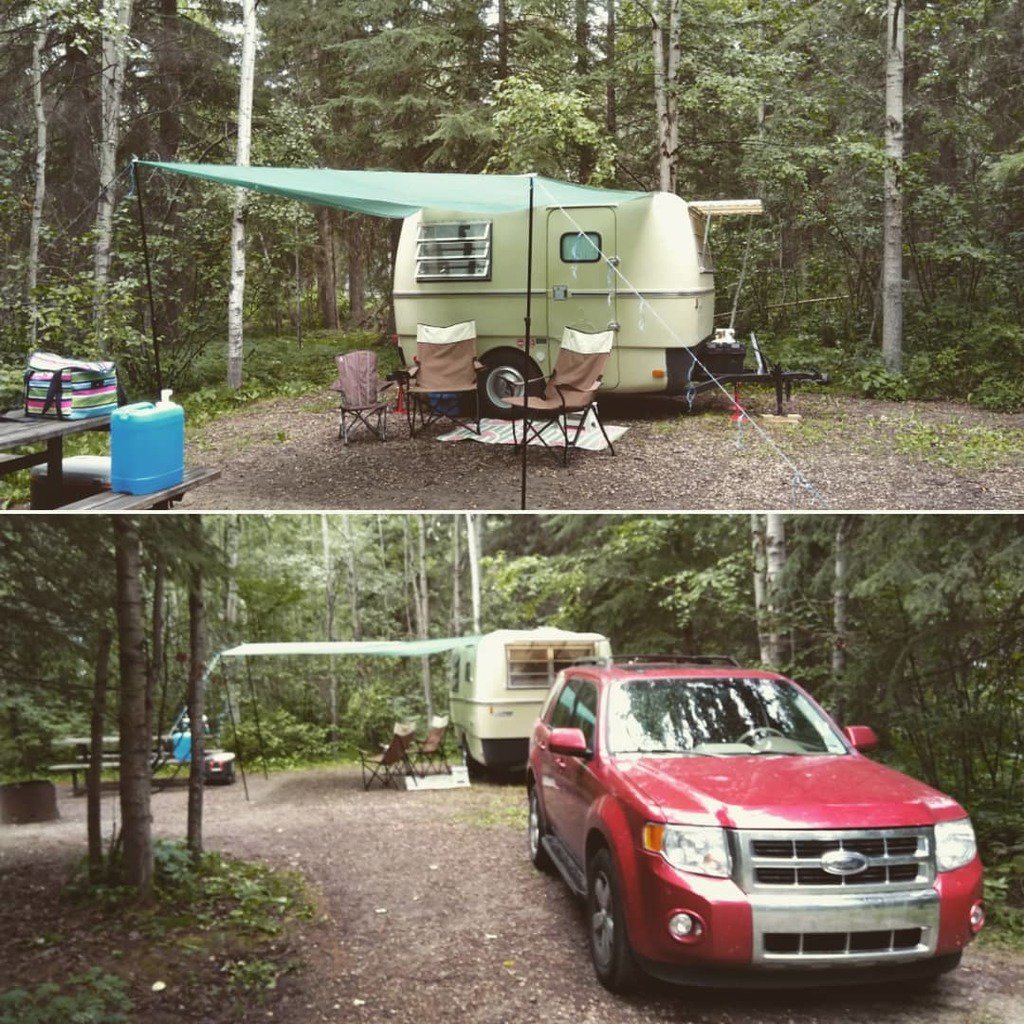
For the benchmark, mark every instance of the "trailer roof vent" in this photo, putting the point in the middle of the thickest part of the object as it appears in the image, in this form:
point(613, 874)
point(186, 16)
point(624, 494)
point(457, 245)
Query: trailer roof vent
point(454, 251)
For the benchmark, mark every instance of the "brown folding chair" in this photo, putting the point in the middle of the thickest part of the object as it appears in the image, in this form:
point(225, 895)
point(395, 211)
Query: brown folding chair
point(570, 394)
point(393, 761)
point(361, 394)
point(444, 370)
point(430, 751)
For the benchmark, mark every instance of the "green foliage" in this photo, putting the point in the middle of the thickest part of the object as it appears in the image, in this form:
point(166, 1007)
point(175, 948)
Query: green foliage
point(92, 997)
point(287, 742)
point(875, 381)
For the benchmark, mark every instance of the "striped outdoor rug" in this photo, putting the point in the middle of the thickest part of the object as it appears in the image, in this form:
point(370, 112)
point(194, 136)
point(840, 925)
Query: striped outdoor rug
point(500, 432)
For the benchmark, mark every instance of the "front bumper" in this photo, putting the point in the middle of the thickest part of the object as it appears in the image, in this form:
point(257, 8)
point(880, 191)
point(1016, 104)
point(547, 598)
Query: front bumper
point(799, 937)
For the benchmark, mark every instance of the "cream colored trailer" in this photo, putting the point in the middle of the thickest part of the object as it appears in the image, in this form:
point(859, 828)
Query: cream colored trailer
point(502, 684)
point(455, 267)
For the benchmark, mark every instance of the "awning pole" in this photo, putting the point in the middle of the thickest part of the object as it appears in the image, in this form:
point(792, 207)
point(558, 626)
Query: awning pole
point(234, 730)
point(256, 715)
point(526, 386)
point(149, 277)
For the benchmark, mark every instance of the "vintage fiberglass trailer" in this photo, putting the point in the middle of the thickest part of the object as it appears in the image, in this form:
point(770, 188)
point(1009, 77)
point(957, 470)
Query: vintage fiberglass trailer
point(454, 267)
point(502, 684)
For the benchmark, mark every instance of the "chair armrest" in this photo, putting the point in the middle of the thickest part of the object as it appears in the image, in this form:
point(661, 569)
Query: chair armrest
point(579, 391)
point(412, 370)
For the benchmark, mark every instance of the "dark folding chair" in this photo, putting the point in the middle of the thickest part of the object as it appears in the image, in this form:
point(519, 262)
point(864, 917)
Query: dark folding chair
point(393, 761)
point(570, 394)
point(444, 370)
point(430, 752)
point(361, 393)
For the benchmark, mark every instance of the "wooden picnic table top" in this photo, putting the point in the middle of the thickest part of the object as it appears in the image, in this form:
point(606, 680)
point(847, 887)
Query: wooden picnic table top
point(17, 429)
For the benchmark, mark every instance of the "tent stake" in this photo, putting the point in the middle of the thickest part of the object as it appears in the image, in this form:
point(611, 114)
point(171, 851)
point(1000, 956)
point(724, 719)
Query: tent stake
point(149, 277)
point(526, 386)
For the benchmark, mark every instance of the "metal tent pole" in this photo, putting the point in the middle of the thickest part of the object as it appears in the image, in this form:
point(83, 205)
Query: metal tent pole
point(149, 277)
point(256, 715)
point(234, 731)
point(526, 387)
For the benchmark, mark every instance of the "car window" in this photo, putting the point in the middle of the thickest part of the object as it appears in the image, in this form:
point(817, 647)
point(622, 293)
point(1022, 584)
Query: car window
point(561, 714)
point(585, 714)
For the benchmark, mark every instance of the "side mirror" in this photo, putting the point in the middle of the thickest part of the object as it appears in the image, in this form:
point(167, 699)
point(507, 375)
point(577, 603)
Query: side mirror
point(862, 737)
point(568, 742)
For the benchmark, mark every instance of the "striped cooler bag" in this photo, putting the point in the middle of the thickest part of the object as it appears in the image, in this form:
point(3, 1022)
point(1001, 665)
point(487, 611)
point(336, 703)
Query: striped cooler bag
point(69, 388)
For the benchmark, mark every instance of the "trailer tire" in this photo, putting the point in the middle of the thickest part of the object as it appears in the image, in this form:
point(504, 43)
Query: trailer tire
point(505, 371)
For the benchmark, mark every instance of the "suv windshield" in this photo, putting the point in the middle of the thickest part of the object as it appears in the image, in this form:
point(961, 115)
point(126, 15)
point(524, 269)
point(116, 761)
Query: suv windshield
point(716, 716)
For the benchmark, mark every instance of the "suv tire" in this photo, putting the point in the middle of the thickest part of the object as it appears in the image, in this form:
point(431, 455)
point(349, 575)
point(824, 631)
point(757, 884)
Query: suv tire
point(535, 832)
point(610, 951)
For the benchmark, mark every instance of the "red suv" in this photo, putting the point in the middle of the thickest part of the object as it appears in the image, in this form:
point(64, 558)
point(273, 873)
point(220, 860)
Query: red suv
point(723, 830)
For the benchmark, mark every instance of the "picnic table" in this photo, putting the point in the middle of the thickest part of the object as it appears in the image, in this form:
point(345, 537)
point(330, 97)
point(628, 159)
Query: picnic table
point(18, 430)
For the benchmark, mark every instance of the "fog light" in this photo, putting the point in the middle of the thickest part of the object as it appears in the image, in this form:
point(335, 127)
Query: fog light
point(977, 917)
point(684, 926)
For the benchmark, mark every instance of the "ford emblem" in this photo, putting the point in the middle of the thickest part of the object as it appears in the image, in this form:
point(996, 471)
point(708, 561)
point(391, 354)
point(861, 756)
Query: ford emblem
point(843, 862)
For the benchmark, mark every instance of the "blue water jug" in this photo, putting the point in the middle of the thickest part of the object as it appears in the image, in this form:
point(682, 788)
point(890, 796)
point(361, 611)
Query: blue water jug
point(147, 446)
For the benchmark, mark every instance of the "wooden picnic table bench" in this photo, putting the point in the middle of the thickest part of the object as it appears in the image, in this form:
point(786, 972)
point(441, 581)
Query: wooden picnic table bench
point(76, 768)
point(118, 501)
point(18, 430)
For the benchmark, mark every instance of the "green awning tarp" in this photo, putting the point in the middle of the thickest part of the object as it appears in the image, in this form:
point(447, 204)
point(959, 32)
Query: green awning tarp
point(402, 193)
point(384, 648)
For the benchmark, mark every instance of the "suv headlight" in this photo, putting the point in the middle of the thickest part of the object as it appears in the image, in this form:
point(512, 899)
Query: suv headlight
point(955, 845)
point(702, 849)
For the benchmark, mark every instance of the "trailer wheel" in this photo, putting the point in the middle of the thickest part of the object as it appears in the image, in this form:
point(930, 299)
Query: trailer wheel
point(506, 371)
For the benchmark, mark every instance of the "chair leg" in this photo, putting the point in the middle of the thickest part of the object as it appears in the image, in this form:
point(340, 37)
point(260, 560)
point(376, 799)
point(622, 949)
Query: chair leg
point(604, 433)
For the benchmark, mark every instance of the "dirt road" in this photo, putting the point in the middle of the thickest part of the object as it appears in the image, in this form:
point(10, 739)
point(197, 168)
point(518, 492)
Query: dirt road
point(853, 454)
point(432, 913)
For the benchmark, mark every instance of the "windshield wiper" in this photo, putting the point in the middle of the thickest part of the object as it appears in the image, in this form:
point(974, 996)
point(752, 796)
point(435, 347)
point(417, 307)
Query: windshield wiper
point(667, 750)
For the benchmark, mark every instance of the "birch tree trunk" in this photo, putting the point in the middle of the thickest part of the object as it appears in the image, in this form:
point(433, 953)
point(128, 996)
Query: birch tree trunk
point(353, 578)
point(775, 551)
point(231, 591)
point(666, 103)
point(610, 112)
point(39, 196)
point(134, 720)
point(196, 698)
point(236, 283)
point(456, 579)
point(92, 778)
point(757, 541)
point(114, 46)
point(473, 549)
point(330, 603)
point(423, 615)
point(892, 244)
point(840, 627)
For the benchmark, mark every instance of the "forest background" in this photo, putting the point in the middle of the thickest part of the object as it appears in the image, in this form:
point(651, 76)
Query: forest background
point(780, 99)
point(912, 624)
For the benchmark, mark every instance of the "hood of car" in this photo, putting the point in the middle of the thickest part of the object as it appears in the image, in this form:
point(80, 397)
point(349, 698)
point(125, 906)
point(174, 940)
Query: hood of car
point(774, 791)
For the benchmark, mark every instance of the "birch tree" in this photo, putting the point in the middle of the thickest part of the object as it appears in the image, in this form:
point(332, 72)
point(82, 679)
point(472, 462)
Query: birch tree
point(423, 612)
point(135, 710)
point(775, 562)
point(473, 550)
point(840, 599)
point(892, 244)
point(665, 40)
point(114, 53)
point(94, 772)
point(757, 542)
point(236, 283)
point(39, 195)
point(330, 605)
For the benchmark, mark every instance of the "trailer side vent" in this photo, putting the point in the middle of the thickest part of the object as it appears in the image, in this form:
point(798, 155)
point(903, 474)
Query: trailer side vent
point(454, 251)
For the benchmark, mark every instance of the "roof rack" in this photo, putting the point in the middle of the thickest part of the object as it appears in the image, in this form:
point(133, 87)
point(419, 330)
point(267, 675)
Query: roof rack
point(700, 660)
point(647, 660)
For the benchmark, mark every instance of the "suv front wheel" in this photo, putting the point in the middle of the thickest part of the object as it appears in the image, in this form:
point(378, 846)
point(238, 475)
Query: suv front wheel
point(610, 951)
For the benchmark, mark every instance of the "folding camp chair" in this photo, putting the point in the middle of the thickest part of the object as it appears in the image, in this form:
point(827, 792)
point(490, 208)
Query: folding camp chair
point(570, 394)
point(429, 752)
point(361, 394)
point(445, 369)
point(393, 761)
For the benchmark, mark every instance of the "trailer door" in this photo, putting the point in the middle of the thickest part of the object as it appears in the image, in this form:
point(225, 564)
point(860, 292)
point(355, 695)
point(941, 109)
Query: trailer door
point(582, 288)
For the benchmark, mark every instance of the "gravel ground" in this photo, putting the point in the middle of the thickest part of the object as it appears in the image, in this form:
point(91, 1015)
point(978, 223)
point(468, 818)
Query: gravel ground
point(432, 912)
point(857, 454)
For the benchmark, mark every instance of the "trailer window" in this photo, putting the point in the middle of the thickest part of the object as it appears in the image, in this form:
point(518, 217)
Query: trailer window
point(701, 223)
point(454, 251)
point(534, 666)
point(581, 247)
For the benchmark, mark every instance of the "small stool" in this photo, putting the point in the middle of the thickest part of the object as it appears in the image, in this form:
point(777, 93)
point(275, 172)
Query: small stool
point(84, 476)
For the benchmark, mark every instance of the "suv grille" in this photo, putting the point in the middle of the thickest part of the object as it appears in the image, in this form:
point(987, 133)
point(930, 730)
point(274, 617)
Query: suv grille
point(786, 860)
point(810, 943)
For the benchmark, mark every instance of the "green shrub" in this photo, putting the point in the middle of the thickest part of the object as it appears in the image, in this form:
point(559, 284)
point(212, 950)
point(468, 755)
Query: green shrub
point(875, 381)
point(92, 997)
